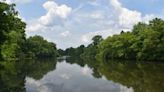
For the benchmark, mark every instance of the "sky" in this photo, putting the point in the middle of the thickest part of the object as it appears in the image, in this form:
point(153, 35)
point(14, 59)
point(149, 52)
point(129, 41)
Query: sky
point(70, 23)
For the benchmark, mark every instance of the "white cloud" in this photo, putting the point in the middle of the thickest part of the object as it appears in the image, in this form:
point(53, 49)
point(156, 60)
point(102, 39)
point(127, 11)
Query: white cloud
point(54, 16)
point(126, 89)
point(65, 76)
point(97, 15)
point(22, 1)
point(147, 18)
point(68, 26)
point(17, 1)
point(121, 19)
point(86, 38)
point(6, 1)
point(65, 34)
point(86, 71)
point(35, 27)
point(126, 18)
point(35, 86)
point(53, 11)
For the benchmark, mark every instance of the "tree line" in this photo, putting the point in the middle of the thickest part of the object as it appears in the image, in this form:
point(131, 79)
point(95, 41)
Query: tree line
point(144, 42)
point(13, 41)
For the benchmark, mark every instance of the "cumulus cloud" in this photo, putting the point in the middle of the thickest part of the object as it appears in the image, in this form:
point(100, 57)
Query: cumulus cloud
point(126, 18)
point(22, 1)
point(6, 1)
point(126, 89)
point(121, 19)
point(95, 22)
point(86, 71)
point(86, 38)
point(35, 86)
point(65, 76)
point(67, 26)
point(17, 1)
point(42, 85)
point(53, 11)
point(65, 34)
point(34, 26)
point(55, 14)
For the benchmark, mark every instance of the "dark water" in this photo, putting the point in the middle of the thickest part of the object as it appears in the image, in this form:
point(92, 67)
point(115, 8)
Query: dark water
point(74, 75)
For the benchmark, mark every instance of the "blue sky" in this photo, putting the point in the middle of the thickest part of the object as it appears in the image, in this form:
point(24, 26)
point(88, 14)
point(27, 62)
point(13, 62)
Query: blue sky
point(74, 22)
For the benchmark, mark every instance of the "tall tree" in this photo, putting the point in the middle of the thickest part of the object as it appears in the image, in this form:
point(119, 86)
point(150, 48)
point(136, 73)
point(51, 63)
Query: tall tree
point(97, 39)
point(12, 32)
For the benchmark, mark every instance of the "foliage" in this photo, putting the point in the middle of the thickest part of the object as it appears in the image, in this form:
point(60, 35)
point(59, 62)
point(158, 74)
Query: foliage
point(37, 47)
point(141, 76)
point(12, 32)
point(83, 52)
point(74, 51)
point(145, 42)
point(97, 39)
point(13, 74)
point(13, 43)
point(92, 49)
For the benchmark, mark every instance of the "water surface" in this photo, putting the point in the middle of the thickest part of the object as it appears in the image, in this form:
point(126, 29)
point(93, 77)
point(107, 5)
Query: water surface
point(73, 78)
point(75, 75)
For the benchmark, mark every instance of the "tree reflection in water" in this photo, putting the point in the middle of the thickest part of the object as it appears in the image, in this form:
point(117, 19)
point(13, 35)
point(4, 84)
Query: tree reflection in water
point(12, 74)
point(141, 76)
point(81, 75)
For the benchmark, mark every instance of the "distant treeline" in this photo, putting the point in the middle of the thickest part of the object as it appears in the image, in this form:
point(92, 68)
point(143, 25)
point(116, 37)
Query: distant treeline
point(145, 42)
point(14, 44)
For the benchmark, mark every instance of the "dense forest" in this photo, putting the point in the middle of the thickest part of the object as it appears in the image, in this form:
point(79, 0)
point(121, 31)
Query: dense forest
point(144, 43)
point(13, 42)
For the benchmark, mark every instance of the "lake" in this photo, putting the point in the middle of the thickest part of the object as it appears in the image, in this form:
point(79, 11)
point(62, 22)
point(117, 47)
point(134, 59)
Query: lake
point(75, 75)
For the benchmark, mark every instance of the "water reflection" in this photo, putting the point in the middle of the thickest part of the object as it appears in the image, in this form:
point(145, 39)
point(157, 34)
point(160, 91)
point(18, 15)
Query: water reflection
point(141, 76)
point(75, 75)
point(12, 74)
point(73, 78)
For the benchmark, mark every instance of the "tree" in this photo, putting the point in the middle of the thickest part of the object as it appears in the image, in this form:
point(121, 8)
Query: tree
point(97, 39)
point(92, 49)
point(12, 32)
point(145, 42)
point(37, 47)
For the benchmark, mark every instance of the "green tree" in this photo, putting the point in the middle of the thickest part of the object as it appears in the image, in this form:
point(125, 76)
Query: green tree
point(12, 32)
point(145, 42)
point(37, 47)
point(92, 49)
point(97, 39)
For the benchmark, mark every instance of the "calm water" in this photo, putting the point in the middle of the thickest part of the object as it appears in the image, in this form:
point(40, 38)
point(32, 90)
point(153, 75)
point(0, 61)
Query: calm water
point(74, 75)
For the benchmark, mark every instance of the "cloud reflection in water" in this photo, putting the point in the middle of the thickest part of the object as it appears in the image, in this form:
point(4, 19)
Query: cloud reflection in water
point(72, 78)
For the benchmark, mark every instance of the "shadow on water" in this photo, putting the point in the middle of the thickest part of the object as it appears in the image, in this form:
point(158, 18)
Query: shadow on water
point(102, 76)
point(13, 74)
point(141, 76)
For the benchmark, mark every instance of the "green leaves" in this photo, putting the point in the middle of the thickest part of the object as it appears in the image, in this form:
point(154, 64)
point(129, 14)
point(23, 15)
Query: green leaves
point(145, 42)
point(13, 44)
point(97, 39)
point(39, 47)
point(12, 32)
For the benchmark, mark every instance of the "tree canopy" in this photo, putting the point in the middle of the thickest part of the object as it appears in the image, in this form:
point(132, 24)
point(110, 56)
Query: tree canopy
point(144, 42)
point(13, 42)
